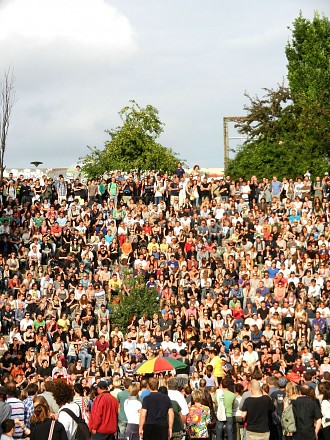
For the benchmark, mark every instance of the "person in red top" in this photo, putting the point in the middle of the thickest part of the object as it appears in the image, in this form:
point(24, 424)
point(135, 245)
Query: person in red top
point(100, 348)
point(103, 418)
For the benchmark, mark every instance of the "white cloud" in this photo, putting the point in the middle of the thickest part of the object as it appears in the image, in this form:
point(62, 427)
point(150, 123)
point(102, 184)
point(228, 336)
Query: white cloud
point(82, 27)
point(64, 54)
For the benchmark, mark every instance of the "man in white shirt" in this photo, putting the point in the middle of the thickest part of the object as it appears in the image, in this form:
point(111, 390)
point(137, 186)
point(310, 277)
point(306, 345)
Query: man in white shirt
point(26, 322)
point(314, 290)
point(63, 394)
point(167, 344)
point(318, 343)
point(293, 279)
point(175, 395)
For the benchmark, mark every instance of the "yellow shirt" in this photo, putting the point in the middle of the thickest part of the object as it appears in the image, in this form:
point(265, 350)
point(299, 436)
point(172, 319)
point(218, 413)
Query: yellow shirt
point(216, 363)
point(114, 285)
point(163, 247)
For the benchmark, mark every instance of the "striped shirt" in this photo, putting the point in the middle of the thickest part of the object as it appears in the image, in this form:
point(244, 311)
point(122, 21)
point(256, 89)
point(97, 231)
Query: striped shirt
point(17, 412)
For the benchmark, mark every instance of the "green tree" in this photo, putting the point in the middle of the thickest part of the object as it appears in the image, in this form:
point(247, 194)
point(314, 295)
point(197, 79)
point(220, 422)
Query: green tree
point(141, 300)
point(269, 148)
point(133, 145)
point(308, 55)
point(288, 129)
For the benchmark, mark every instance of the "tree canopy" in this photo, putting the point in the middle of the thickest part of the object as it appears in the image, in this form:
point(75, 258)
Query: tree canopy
point(133, 145)
point(288, 128)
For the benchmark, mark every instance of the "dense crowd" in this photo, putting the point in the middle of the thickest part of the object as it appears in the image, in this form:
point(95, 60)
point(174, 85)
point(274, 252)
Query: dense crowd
point(242, 274)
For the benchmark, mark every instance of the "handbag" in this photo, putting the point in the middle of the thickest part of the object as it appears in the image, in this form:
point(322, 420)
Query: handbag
point(50, 435)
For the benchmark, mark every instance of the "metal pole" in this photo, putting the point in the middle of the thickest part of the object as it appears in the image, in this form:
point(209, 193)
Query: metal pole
point(227, 119)
point(225, 144)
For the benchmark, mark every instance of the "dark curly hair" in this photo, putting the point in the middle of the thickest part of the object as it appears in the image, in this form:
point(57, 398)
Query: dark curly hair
point(63, 393)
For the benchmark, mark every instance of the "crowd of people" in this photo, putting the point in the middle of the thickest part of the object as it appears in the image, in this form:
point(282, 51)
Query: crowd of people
point(241, 271)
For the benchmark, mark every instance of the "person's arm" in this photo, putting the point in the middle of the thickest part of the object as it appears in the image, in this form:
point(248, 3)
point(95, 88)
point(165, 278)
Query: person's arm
point(318, 426)
point(170, 421)
point(143, 414)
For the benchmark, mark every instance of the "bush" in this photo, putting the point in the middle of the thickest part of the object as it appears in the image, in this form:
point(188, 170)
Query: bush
point(142, 300)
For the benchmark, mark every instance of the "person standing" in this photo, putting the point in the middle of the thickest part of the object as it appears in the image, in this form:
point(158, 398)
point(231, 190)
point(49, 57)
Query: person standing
point(41, 425)
point(103, 419)
point(122, 396)
point(17, 409)
point(216, 363)
point(156, 415)
point(228, 400)
point(5, 408)
point(256, 410)
point(198, 418)
point(308, 416)
point(132, 407)
point(69, 410)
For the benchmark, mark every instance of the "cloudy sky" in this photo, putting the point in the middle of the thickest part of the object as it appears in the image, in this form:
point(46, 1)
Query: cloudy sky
point(78, 62)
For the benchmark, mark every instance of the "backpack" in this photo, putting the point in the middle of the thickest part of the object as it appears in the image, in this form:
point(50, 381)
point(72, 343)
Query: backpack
point(288, 420)
point(221, 411)
point(82, 432)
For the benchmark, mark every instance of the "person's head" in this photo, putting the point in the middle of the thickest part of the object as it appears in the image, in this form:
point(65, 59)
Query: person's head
point(3, 393)
point(11, 389)
point(255, 387)
point(305, 390)
point(197, 396)
point(41, 413)
point(153, 384)
point(78, 388)
point(133, 389)
point(172, 383)
point(49, 385)
point(63, 393)
point(8, 427)
point(127, 383)
point(32, 389)
point(226, 382)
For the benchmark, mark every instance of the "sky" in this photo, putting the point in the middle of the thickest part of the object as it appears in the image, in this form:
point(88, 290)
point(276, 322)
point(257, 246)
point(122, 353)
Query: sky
point(78, 62)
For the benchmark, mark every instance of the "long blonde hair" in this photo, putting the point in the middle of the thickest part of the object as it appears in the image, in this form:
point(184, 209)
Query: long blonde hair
point(290, 390)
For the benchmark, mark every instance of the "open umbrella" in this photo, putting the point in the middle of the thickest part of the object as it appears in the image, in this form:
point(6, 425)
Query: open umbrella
point(159, 364)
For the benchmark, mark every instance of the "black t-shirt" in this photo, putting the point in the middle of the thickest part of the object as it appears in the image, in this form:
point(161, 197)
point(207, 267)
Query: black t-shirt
point(258, 411)
point(263, 313)
point(174, 187)
point(306, 412)
point(278, 399)
point(157, 406)
point(41, 430)
point(290, 358)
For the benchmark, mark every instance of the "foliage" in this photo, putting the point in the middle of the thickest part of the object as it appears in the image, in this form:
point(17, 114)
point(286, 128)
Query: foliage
point(133, 145)
point(308, 55)
point(288, 129)
point(269, 120)
point(141, 300)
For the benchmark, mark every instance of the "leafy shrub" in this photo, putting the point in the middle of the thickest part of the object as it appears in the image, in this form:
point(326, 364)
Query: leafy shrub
point(142, 300)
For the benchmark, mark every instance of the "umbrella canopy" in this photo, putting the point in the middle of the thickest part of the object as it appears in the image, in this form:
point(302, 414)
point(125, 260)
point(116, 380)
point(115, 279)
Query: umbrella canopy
point(159, 364)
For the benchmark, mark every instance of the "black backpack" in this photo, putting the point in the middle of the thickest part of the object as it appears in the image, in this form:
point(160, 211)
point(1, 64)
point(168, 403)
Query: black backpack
point(82, 432)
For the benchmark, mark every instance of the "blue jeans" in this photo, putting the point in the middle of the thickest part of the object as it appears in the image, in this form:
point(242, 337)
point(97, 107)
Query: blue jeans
point(157, 200)
point(85, 359)
point(239, 324)
point(229, 428)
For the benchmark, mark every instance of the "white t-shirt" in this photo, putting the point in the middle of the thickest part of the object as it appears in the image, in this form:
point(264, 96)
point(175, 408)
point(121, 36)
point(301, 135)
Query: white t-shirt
point(132, 408)
point(67, 421)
